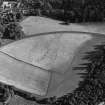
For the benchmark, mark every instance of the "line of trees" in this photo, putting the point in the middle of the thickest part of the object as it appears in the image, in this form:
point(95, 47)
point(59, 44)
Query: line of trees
point(74, 10)
point(9, 27)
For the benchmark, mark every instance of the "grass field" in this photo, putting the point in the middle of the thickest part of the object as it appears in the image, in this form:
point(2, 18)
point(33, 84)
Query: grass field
point(36, 25)
point(33, 25)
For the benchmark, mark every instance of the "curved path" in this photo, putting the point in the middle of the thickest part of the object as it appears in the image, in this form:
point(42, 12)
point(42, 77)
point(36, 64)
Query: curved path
point(62, 32)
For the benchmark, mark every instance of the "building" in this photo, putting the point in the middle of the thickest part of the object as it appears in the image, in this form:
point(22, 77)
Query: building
point(8, 4)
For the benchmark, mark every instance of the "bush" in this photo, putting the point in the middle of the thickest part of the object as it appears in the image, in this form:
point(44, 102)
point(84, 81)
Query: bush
point(13, 31)
point(76, 11)
point(19, 16)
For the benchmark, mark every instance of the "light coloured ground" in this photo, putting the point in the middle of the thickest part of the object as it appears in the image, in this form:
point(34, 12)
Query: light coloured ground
point(34, 25)
point(51, 53)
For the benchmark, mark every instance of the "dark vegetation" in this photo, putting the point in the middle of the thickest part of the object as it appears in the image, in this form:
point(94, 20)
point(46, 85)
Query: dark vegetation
point(9, 27)
point(68, 10)
point(13, 31)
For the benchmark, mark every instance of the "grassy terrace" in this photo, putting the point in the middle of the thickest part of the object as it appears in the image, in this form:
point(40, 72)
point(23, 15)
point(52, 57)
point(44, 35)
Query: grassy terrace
point(36, 25)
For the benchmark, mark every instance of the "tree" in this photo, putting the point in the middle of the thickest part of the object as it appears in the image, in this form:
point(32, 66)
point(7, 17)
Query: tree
point(13, 31)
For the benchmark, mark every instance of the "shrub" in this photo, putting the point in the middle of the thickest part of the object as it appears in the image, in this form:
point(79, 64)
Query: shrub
point(13, 31)
point(19, 16)
point(82, 11)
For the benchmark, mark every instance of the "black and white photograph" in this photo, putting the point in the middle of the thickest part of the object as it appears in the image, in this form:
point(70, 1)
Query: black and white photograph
point(52, 52)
